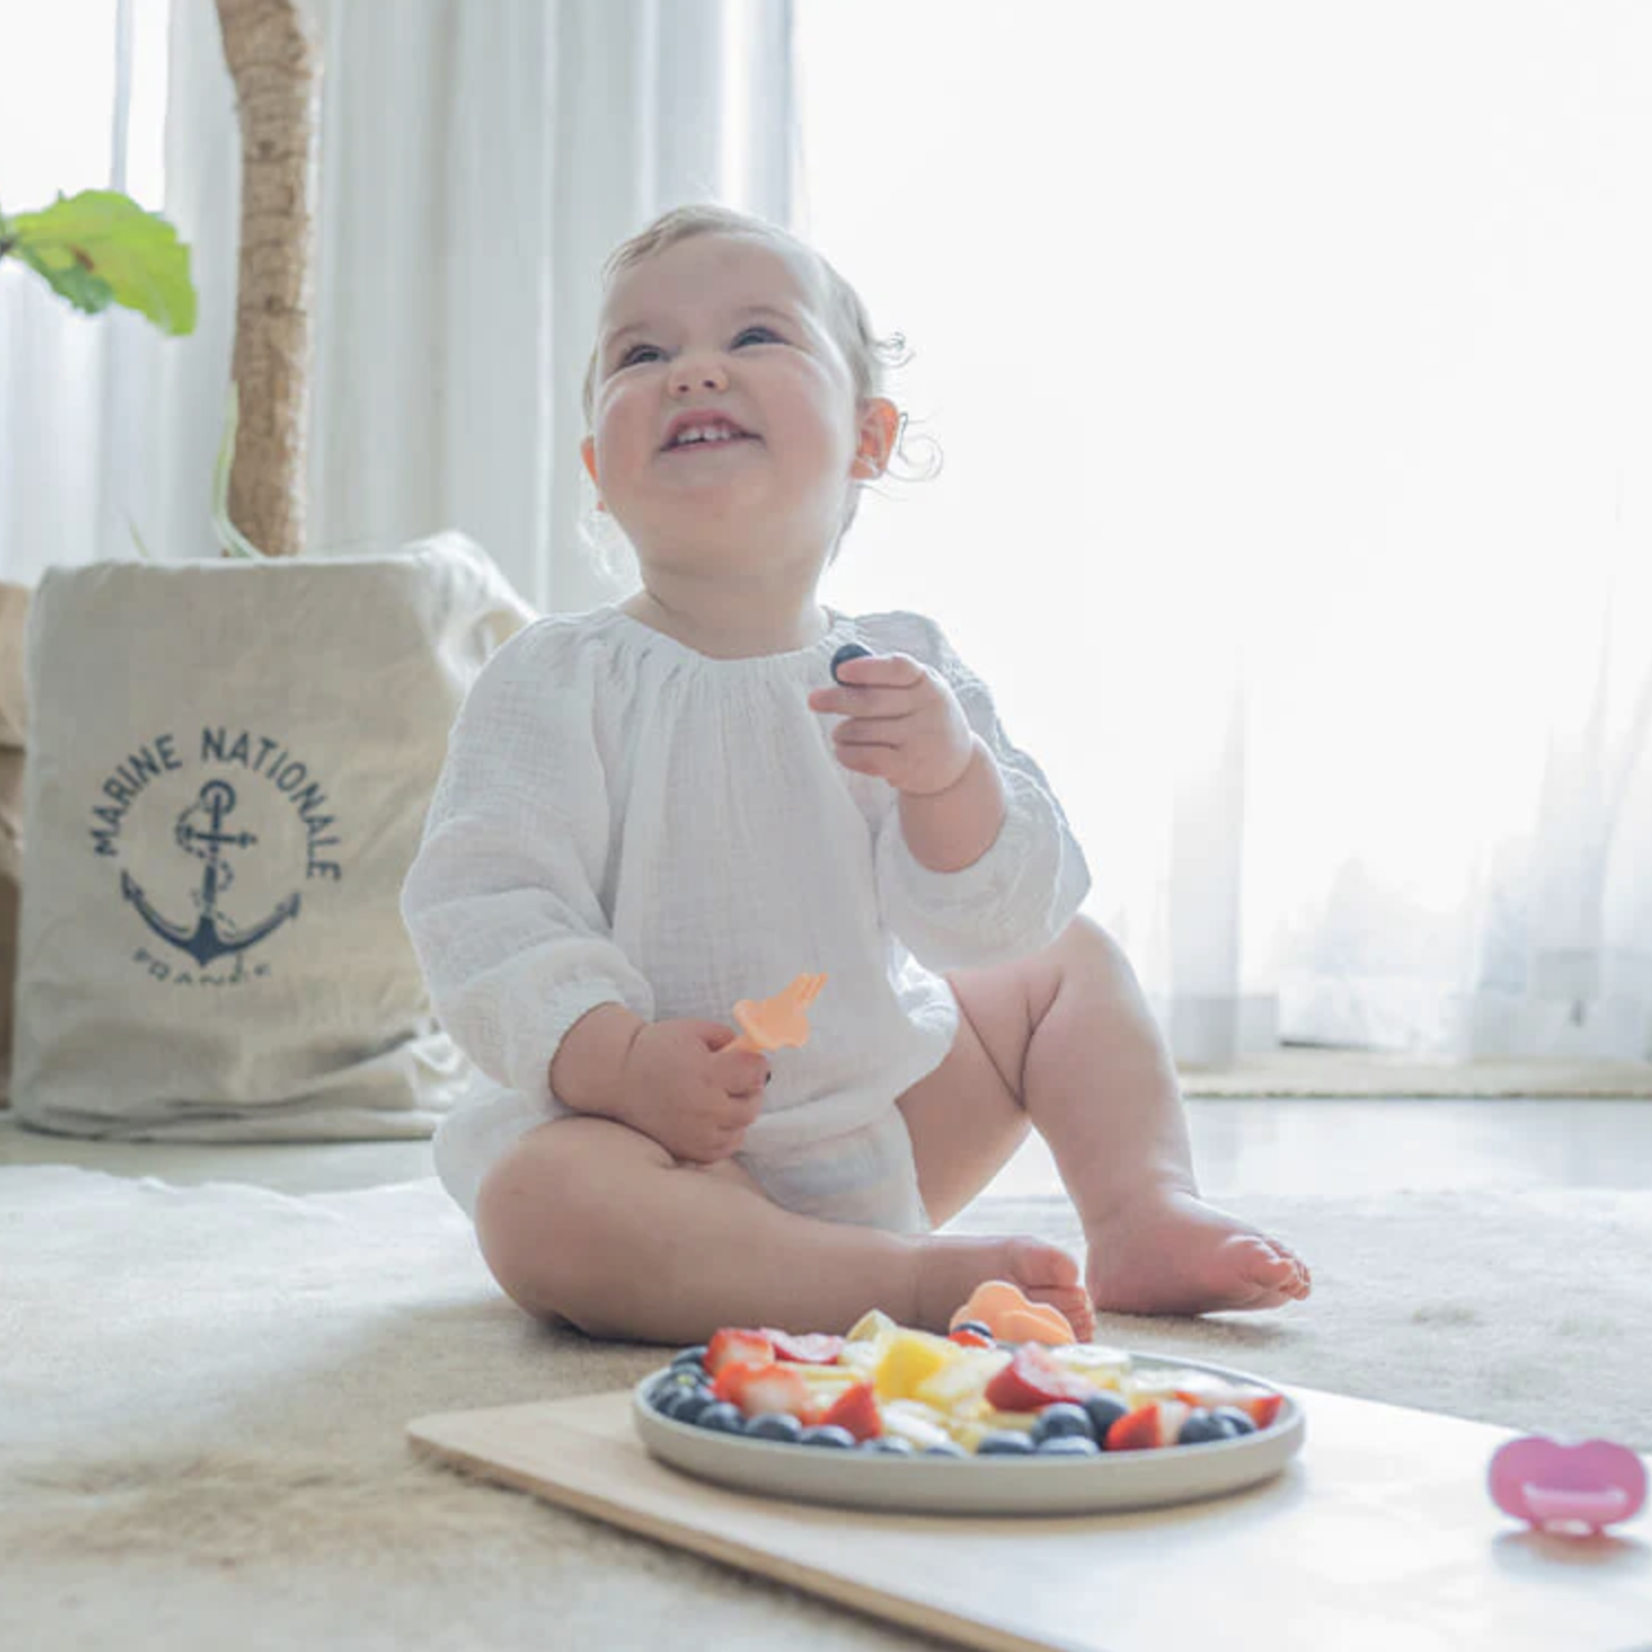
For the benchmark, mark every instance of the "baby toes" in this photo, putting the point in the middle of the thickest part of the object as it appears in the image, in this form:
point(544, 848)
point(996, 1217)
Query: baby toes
point(1302, 1280)
point(1265, 1271)
point(1074, 1304)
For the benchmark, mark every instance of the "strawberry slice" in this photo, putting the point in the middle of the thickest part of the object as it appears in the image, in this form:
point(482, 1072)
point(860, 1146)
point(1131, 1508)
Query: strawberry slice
point(815, 1348)
point(966, 1338)
point(731, 1344)
point(856, 1409)
point(759, 1388)
point(1260, 1408)
point(1033, 1379)
point(1148, 1427)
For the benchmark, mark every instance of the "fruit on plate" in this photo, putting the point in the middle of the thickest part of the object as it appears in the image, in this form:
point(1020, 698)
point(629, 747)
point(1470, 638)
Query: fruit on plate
point(909, 1360)
point(891, 1390)
point(1033, 1380)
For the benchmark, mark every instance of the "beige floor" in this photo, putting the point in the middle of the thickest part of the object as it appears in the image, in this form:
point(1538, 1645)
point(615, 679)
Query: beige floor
point(1292, 1145)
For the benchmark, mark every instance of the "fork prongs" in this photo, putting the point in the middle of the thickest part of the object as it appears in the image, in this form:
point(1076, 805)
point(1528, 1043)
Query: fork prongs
point(810, 990)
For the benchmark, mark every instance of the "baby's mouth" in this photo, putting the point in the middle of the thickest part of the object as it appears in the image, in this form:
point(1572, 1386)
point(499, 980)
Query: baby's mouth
point(704, 436)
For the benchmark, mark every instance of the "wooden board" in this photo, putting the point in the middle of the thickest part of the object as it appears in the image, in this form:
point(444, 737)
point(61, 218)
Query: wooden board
point(1379, 1535)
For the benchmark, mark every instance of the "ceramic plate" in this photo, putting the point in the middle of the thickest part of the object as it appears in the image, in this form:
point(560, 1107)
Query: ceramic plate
point(981, 1485)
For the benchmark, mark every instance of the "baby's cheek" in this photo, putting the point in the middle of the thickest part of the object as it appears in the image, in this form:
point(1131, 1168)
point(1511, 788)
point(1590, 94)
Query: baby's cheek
point(622, 420)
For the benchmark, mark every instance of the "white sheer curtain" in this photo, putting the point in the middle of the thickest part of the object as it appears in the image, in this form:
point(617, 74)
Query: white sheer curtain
point(477, 162)
point(1293, 369)
point(83, 108)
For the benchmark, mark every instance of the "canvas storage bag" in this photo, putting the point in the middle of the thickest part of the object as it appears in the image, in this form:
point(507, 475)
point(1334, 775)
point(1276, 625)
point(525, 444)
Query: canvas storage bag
point(229, 769)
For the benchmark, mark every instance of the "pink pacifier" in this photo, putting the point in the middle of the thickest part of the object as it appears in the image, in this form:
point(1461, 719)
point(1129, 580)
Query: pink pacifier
point(1560, 1483)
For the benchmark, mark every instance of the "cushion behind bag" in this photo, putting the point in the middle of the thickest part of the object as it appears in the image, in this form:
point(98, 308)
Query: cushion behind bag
point(229, 769)
point(14, 610)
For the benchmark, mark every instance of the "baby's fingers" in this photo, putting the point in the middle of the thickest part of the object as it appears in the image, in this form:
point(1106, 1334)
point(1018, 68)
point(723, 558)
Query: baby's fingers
point(881, 703)
point(881, 671)
point(715, 1035)
point(741, 1072)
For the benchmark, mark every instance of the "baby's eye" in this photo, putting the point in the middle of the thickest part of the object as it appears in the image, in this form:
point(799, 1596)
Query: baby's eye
point(640, 352)
point(761, 335)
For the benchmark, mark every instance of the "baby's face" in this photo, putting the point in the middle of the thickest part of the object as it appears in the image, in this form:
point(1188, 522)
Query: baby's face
point(722, 334)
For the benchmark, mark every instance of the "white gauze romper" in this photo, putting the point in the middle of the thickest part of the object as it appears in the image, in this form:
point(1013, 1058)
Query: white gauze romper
point(621, 819)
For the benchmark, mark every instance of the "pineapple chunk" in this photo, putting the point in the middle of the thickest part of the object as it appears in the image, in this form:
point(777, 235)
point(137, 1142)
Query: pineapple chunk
point(970, 1431)
point(824, 1373)
point(911, 1420)
point(1162, 1383)
point(960, 1383)
point(871, 1326)
point(825, 1382)
point(1021, 1421)
point(862, 1357)
point(1104, 1366)
point(911, 1358)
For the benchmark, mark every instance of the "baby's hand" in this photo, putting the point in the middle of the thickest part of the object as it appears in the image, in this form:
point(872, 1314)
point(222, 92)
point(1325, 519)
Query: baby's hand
point(683, 1086)
point(902, 723)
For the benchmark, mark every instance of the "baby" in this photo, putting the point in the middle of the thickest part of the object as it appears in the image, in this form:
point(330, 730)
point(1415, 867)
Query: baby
point(653, 809)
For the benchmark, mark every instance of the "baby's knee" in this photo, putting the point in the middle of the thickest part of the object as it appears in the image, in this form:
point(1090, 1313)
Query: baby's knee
point(538, 1224)
point(1084, 937)
point(1085, 949)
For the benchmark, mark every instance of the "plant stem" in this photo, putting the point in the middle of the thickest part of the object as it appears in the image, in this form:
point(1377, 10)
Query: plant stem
point(274, 61)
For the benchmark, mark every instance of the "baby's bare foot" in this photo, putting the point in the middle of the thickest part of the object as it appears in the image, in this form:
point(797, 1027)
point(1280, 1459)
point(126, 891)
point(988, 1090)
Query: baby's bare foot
point(950, 1267)
point(1171, 1253)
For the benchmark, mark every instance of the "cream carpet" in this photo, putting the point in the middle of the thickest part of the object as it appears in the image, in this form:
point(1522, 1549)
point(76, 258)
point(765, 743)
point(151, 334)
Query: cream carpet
point(203, 1392)
point(1314, 1072)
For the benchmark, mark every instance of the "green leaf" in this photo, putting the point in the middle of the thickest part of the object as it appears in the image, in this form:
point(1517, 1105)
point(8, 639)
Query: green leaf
point(84, 290)
point(100, 247)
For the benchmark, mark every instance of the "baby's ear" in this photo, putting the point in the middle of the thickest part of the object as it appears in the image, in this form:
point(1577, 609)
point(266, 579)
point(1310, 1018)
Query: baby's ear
point(588, 452)
point(880, 423)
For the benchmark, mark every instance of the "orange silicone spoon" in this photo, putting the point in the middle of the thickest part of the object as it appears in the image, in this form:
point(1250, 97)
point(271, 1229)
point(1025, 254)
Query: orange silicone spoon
point(780, 1022)
point(1005, 1310)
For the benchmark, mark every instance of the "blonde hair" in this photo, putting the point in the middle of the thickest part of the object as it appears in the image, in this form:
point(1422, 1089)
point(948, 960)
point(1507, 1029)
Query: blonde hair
point(868, 356)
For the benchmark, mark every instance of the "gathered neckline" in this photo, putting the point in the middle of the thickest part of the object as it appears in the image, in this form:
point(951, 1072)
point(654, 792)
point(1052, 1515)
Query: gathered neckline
point(839, 627)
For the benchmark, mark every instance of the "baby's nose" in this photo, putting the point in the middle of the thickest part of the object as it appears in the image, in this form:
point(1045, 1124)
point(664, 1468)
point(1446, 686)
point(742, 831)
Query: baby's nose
point(690, 376)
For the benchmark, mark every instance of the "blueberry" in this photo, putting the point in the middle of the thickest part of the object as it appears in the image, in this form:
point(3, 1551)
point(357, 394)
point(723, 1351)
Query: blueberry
point(890, 1445)
point(980, 1327)
point(1068, 1445)
point(849, 651)
point(692, 1359)
point(828, 1434)
point(678, 1380)
point(1062, 1421)
point(1242, 1423)
point(723, 1418)
point(1005, 1442)
point(775, 1425)
point(1103, 1411)
point(1201, 1427)
point(692, 1406)
point(944, 1448)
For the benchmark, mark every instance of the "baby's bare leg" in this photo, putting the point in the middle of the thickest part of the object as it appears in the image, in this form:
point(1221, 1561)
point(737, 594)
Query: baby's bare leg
point(1067, 1038)
point(590, 1220)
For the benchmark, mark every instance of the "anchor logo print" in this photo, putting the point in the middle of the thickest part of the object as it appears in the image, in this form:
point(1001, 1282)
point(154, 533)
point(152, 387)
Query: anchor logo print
point(214, 933)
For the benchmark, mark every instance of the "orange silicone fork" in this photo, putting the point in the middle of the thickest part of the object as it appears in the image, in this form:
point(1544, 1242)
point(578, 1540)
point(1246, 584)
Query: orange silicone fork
point(780, 1022)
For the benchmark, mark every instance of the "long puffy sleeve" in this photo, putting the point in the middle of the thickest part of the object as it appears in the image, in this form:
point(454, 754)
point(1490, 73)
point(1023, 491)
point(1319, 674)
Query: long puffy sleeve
point(502, 900)
point(1028, 885)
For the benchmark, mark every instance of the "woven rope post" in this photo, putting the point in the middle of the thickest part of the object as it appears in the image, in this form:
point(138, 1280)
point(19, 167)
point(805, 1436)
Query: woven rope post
point(276, 66)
